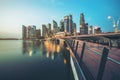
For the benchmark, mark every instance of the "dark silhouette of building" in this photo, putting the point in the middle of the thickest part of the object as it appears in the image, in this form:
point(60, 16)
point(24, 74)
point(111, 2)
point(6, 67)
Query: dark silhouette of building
point(83, 25)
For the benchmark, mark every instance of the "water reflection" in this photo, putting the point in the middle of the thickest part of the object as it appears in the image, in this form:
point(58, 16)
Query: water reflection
point(30, 47)
point(48, 48)
point(51, 51)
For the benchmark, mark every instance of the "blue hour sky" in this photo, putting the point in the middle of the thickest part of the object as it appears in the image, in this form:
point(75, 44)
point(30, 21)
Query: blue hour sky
point(15, 13)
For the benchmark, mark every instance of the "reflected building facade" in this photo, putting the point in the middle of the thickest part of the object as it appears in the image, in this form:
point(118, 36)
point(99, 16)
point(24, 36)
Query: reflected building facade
point(30, 47)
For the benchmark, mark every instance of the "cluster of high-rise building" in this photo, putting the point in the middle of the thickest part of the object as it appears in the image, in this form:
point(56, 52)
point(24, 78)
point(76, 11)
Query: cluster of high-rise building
point(67, 26)
point(30, 32)
point(84, 29)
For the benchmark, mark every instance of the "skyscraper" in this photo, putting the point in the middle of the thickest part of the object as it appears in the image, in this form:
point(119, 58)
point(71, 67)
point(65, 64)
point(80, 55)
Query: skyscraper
point(55, 26)
point(91, 30)
point(44, 31)
point(38, 34)
point(83, 25)
point(74, 29)
point(24, 32)
point(31, 32)
point(49, 26)
point(68, 23)
point(62, 25)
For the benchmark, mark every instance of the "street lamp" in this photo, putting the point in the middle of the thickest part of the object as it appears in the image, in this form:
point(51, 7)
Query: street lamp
point(115, 25)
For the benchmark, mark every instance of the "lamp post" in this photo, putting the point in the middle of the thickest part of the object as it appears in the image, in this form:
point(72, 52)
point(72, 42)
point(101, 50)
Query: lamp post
point(115, 24)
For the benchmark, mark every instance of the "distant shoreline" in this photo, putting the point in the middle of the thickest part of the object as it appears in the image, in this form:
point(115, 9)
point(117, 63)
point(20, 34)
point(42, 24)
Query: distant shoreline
point(9, 39)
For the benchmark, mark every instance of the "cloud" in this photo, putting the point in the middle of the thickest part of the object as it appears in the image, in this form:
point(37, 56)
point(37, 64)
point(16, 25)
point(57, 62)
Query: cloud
point(55, 2)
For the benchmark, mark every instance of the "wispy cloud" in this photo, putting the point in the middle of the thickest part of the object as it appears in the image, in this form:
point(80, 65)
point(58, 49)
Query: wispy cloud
point(54, 2)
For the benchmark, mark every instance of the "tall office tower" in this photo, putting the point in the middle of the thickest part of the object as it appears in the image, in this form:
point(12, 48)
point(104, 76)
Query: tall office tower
point(44, 31)
point(49, 26)
point(68, 23)
point(83, 25)
point(34, 31)
point(61, 25)
point(55, 26)
point(24, 32)
point(31, 32)
point(74, 29)
point(38, 34)
point(91, 30)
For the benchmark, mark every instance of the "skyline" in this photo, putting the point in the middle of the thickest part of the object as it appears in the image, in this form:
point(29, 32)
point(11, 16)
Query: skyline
point(15, 13)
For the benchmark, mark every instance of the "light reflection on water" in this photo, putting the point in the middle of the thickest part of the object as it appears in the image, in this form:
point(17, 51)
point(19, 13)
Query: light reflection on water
point(34, 60)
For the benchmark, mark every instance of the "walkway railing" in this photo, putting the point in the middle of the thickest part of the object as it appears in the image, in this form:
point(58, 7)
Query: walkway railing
point(102, 64)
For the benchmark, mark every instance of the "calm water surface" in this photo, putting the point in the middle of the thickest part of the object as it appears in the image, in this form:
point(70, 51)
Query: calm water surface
point(34, 60)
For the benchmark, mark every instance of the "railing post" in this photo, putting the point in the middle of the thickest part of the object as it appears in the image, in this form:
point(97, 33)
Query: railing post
point(102, 63)
point(70, 42)
point(76, 47)
point(82, 52)
point(73, 43)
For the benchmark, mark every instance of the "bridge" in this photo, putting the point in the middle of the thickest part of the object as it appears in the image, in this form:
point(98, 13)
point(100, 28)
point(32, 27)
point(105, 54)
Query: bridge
point(111, 39)
point(97, 55)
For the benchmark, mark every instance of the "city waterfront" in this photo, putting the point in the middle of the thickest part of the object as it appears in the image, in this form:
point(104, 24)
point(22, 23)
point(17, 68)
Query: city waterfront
point(59, 40)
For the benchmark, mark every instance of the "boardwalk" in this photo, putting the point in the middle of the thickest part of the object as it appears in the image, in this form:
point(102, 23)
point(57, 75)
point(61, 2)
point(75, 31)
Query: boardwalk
point(92, 57)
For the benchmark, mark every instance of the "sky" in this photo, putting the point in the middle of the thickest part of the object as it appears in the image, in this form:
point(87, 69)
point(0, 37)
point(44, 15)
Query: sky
point(15, 13)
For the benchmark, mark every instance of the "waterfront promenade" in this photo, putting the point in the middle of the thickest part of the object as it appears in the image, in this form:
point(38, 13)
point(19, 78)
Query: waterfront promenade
point(92, 57)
